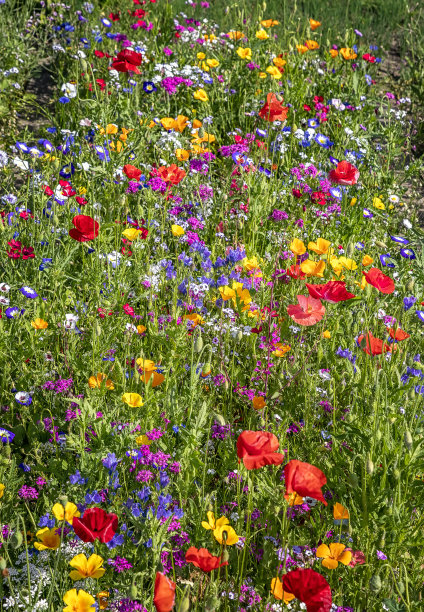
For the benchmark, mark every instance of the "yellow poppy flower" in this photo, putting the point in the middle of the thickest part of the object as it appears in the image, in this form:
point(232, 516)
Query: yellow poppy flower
point(182, 154)
point(278, 591)
point(224, 534)
point(147, 365)
point(212, 63)
point(143, 440)
point(333, 555)
point(274, 72)
point(378, 203)
point(141, 329)
point(212, 523)
point(320, 246)
point(39, 324)
point(250, 264)
point(268, 23)
point(67, 513)
point(294, 499)
point(235, 35)
point(301, 49)
point(177, 230)
point(279, 62)
point(244, 53)
point(262, 35)
point(180, 123)
point(158, 378)
point(86, 568)
point(131, 233)
point(200, 94)
point(348, 54)
point(195, 319)
point(258, 402)
point(134, 400)
point(102, 598)
point(168, 123)
point(313, 268)
point(262, 75)
point(333, 52)
point(49, 539)
point(78, 601)
point(314, 24)
point(326, 334)
point(281, 349)
point(111, 128)
point(340, 512)
point(2, 488)
point(95, 382)
point(297, 247)
point(347, 263)
point(367, 261)
point(353, 201)
point(201, 56)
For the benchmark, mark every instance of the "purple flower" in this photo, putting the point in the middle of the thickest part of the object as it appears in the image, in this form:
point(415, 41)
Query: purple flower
point(381, 555)
point(28, 493)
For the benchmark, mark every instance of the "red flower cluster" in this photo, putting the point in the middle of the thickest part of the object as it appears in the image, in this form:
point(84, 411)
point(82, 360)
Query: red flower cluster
point(96, 524)
point(332, 292)
point(171, 174)
point(373, 346)
point(85, 228)
point(369, 58)
point(127, 61)
point(17, 251)
point(273, 109)
point(344, 174)
point(258, 448)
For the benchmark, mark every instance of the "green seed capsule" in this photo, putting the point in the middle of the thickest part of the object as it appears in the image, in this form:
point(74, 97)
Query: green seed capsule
point(185, 603)
point(3, 564)
point(369, 466)
point(401, 587)
point(212, 603)
point(410, 284)
point(17, 540)
point(353, 480)
point(396, 474)
point(375, 583)
point(408, 439)
point(381, 244)
point(133, 592)
point(198, 345)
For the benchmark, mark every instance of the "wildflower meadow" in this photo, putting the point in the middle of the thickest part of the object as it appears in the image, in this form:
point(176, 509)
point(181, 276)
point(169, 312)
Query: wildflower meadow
point(211, 310)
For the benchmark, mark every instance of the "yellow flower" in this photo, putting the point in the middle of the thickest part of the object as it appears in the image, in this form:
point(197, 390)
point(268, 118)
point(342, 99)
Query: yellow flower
point(314, 24)
point(313, 268)
point(268, 23)
point(147, 365)
point(250, 264)
point(320, 246)
point(49, 539)
point(168, 123)
point(340, 512)
point(278, 591)
point(235, 35)
point(262, 35)
point(336, 265)
point(111, 128)
point(334, 555)
point(131, 233)
point(200, 94)
point(279, 61)
point(258, 402)
point(143, 440)
point(312, 44)
point(237, 292)
point(212, 63)
point(377, 203)
point(78, 602)
point(281, 349)
point(212, 523)
point(209, 138)
point(134, 400)
point(67, 513)
point(326, 334)
point(333, 52)
point(177, 230)
point(347, 263)
point(102, 599)
point(347, 53)
point(180, 123)
point(274, 72)
point(39, 324)
point(86, 568)
point(353, 201)
point(244, 53)
point(262, 75)
point(141, 329)
point(201, 56)
point(367, 261)
point(182, 154)
point(297, 247)
point(82, 190)
point(195, 319)
point(2, 488)
point(95, 382)
point(294, 499)
point(224, 534)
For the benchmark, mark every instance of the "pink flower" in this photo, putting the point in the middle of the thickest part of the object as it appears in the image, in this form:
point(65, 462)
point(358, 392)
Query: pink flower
point(307, 312)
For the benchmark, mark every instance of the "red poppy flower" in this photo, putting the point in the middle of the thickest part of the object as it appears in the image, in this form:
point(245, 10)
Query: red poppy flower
point(398, 334)
point(258, 448)
point(380, 281)
point(85, 228)
point(203, 559)
point(305, 480)
point(373, 346)
point(114, 16)
point(344, 174)
point(132, 172)
point(296, 272)
point(96, 524)
point(124, 66)
point(332, 292)
point(171, 174)
point(310, 588)
point(273, 110)
point(307, 312)
point(164, 597)
point(127, 61)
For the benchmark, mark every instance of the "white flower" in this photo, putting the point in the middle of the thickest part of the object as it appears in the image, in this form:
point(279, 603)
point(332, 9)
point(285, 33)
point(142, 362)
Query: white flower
point(70, 321)
point(69, 89)
point(407, 223)
point(20, 163)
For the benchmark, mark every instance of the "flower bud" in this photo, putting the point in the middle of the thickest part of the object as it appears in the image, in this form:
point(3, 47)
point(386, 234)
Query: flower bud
point(375, 583)
point(98, 329)
point(279, 98)
point(378, 435)
point(133, 591)
point(353, 479)
point(401, 587)
point(198, 345)
point(185, 602)
point(410, 284)
point(239, 336)
point(3, 563)
point(396, 474)
point(212, 603)
point(369, 466)
point(17, 540)
point(381, 244)
point(408, 439)
point(225, 555)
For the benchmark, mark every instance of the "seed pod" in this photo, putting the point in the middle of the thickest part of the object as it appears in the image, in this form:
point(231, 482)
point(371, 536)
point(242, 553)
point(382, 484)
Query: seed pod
point(185, 602)
point(212, 603)
point(226, 385)
point(7, 451)
point(84, 65)
point(410, 284)
point(219, 418)
point(3, 563)
point(396, 474)
point(225, 555)
point(239, 336)
point(140, 210)
point(381, 244)
point(98, 329)
point(382, 542)
point(198, 345)
point(378, 435)
point(63, 499)
point(375, 583)
point(279, 98)
point(401, 587)
point(408, 439)
point(206, 370)
point(133, 591)
point(17, 540)
point(369, 466)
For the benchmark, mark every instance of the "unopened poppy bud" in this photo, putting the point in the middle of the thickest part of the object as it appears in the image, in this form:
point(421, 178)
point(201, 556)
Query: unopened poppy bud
point(206, 370)
point(219, 418)
point(408, 439)
point(411, 394)
point(264, 6)
point(140, 210)
point(124, 200)
point(369, 466)
point(185, 602)
point(7, 451)
point(410, 284)
point(226, 385)
point(56, 220)
point(279, 98)
point(401, 587)
point(5, 573)
point(133, 591)
point(378, 435)
point(3, 563)
point(84, 65)
point(63, 499)
point(200, 132)
point(17, 540)
point(240, 224)
point(225, 555)
point(375, 583)
point(198, 345)
point(56, 163)
point(396, 474)
point(381, 244)
point(382, 542)
point(212, 603)
point(98, 329)
point(239, 336)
